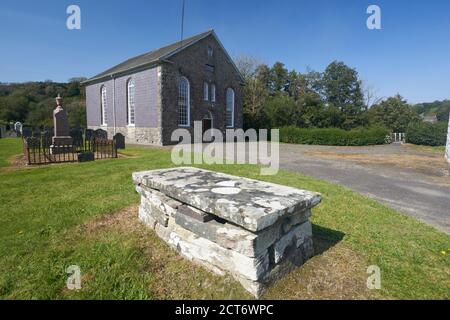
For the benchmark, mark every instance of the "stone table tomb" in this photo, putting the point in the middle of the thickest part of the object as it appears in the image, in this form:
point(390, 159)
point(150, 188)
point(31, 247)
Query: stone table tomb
point(255, 231)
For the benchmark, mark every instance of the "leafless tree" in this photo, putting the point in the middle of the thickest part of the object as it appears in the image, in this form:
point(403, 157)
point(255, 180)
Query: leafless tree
point(370, 94)
point(247, 65)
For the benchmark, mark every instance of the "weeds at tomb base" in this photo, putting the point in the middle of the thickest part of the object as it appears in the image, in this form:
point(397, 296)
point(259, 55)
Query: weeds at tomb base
point(85, 214)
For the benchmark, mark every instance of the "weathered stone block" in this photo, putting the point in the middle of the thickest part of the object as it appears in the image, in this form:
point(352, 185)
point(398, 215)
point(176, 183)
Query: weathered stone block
point(155, 212)
point(253, 230)
point(252, 204)
point(296, 237)
point(146, 218)
point(233, 237)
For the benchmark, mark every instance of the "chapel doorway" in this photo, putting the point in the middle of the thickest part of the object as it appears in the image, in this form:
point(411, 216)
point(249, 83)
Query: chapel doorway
point(207, 124)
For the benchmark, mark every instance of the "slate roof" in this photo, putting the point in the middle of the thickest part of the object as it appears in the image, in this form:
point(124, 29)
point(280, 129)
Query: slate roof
point(150, 58)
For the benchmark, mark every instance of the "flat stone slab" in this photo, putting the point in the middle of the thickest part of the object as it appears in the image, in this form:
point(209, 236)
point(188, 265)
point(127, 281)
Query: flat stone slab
point(251, 204)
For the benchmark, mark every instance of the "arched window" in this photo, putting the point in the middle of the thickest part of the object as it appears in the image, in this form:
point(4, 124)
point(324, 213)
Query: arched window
point(205, 91)
point(213, 92)
point(230, 108)
point(130, 102)
point(103, 107)
point(183, 102)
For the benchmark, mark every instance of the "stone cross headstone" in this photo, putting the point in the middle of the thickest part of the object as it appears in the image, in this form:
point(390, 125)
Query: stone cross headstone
point(62, 141)
point(18, 128)
point(447, 149)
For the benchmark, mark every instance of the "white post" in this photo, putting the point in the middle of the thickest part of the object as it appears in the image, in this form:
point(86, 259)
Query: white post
point(447, 149)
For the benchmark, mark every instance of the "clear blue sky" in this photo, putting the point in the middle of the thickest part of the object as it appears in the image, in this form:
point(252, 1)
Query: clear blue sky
point(410, 55)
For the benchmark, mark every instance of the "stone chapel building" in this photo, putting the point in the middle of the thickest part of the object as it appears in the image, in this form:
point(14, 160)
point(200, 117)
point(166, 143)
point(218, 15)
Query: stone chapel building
point(149, 96)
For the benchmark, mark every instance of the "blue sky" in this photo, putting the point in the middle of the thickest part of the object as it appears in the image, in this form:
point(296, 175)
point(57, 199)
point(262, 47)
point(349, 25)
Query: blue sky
point(410, 55)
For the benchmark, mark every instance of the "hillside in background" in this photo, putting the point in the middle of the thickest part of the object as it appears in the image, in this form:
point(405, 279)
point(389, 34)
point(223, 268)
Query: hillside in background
point(32, 103)
point(439, 108)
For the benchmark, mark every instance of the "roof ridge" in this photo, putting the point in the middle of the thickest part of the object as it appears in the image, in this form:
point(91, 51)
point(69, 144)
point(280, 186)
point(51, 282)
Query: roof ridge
point(146, 58)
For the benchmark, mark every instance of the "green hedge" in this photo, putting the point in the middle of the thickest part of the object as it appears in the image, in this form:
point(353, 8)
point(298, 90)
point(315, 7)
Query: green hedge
point(334, 136)
point(427, 134)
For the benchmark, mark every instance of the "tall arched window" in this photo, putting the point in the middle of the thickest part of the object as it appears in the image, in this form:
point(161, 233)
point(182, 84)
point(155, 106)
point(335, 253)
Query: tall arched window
point(130, 102)
point(230, 108)
point(103, 107)
point(183, 102)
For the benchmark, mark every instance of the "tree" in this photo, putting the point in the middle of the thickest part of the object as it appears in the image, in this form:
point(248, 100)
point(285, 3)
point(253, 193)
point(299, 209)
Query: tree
point(280, 111)
point(15, 107)
point(279, 77)
point(247, 66)
point(394, 113)
point(342, 89)
point(256, 91)
point(370, 95)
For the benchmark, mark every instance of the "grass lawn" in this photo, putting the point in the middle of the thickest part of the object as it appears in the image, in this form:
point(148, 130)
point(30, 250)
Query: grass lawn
point(86, 214)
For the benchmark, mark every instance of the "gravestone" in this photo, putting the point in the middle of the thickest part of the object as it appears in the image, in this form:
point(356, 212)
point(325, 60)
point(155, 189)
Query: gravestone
point(100, 134)
point(255, 231)
point(36, 132)
point(447, 149)
point(62, 142)
point(89, 134)
point(26, 132)
point(119, 139)
point(18, 128)
point(2, 131)
point(77, 136)
point(46, 137)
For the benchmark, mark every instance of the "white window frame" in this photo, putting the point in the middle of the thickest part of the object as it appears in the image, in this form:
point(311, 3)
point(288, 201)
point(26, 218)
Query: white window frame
point(205, 91)
point(227, 107)
point(188, 102)
point(103, 106)
point(131, 100)
point(213, 92)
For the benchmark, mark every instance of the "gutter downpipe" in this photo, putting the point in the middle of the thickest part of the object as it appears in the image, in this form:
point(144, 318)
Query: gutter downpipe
point(114, 104)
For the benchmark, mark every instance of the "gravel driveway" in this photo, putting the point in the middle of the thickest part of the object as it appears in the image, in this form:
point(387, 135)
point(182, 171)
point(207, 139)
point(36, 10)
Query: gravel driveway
point(413, 180)
point(408, 179)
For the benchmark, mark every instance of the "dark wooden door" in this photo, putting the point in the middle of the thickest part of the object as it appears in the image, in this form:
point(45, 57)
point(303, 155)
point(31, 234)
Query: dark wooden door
point(207, 124)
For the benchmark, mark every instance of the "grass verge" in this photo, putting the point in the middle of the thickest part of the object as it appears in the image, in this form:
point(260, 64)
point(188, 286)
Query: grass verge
point(82, 214)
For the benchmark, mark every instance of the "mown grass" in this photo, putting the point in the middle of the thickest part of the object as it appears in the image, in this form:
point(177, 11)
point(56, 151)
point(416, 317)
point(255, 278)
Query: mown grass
point(46, 214)
point(9, 147)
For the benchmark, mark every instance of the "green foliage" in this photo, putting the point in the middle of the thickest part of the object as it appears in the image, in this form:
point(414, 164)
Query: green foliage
point(439, 108)
point(394, 113)
point(275, 96)
point(32, 103)
point(334, 136)
point(428, 134)
point(342, 89)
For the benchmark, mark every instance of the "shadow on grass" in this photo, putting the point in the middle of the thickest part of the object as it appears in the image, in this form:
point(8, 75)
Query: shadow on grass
point(325, 238)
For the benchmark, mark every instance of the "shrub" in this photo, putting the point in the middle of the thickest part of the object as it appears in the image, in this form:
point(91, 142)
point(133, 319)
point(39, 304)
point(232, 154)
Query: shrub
point(334, 136)
point(429, 134)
